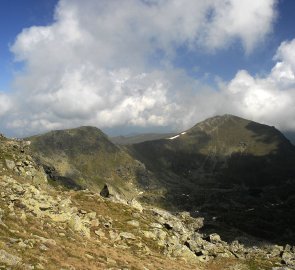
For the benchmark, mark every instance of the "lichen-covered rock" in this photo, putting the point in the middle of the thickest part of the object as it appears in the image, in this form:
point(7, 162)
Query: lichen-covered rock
point(288, 258)
point(127, 235)
point(183, 252)
point(135, 204)
point(9, 164)
point(133, 223)
point(77, 225)
point(9, 259)
point(214, 238)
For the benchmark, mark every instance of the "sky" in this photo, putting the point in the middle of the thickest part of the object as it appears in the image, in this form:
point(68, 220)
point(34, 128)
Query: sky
point(144, 65)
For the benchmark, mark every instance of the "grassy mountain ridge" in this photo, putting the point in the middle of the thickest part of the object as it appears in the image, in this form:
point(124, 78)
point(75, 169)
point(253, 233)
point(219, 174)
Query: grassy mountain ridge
point(85, 158)
point(217, 145)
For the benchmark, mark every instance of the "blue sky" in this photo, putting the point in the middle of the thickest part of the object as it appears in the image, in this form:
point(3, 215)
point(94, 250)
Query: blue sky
point(14, 17)
point(225, 63)
point(163, 65)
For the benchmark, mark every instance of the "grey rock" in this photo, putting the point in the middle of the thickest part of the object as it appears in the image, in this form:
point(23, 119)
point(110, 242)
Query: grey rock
point(237, 249)
point(9, 259)
point(43, 247)
point(288, 258)
point(276, 251)
point(91, 215)
point(64, 205)
point(133, 223)
point(9, 164)
point(214, 238)
point(156, 225)
point(135, 204)
point(160, 234)
point(149, 234)
point(45, 206)
point(18, 163)
point(174, 224)
point(195, 247)
point(77, 225)
point(100, 233)
point(127, 235)
point(184, 252)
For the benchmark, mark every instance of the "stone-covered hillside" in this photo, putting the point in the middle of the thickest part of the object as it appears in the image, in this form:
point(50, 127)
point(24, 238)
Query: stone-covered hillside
point(48, 227)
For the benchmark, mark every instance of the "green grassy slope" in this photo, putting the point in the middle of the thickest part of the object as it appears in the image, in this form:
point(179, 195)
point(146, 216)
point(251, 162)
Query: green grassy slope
point(84, 157)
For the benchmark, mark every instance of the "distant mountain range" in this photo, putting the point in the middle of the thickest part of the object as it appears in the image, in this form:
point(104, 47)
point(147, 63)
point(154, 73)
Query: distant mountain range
point(138, 138)
point(143, 137)
point(290, 136)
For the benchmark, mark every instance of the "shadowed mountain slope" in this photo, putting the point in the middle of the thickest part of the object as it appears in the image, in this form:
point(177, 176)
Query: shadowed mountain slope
point(226, 149)
point(235, 170)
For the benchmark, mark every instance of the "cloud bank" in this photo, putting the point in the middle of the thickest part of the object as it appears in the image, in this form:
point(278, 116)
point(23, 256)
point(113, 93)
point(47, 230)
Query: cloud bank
point(106, 63)
point(269, 99)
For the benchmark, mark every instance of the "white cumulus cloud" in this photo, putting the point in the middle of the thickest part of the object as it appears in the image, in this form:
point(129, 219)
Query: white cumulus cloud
point(109, 62)
point(5, 104)
point(269, 99)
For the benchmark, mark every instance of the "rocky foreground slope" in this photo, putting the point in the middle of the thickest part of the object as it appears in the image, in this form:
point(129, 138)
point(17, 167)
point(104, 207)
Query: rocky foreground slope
point(46, 227)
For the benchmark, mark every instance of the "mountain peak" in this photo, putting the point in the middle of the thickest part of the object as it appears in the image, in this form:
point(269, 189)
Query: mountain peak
point(76, 155)
point(228, 167)
point(218, 120)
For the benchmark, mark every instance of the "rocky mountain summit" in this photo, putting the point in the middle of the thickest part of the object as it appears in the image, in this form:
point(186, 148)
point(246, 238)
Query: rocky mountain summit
point(56, 212)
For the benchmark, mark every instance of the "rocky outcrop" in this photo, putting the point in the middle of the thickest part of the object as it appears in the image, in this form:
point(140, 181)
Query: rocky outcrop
point(43, 205)
point(9, 259)
point(15, 158)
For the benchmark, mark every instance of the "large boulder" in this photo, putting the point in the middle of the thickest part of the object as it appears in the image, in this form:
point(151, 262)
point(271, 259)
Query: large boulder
point(135, 204)
point(9, 164)
point(77, 225)
point(108, 191)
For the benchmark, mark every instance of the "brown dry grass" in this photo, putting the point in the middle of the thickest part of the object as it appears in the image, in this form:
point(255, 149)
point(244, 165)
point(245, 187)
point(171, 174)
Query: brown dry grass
point(73, 251)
